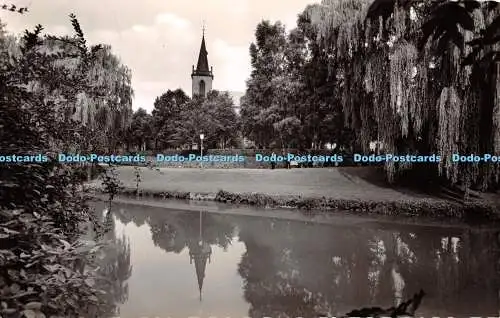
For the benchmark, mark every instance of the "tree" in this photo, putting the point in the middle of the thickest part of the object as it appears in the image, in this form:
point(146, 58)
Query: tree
point(318, 104)
point(192, 121)
point(113, 110)
point(167, 116)
point(258, 111)
point(411, 94)
point(179, 120)
point(140, 130)
point(219, 110)
point(292, 99)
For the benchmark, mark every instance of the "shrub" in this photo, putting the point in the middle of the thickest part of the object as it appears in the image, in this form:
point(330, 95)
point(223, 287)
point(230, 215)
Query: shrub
point(44, 267)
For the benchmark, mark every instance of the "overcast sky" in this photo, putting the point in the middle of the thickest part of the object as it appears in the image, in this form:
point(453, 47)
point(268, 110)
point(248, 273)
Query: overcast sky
point(160, 39)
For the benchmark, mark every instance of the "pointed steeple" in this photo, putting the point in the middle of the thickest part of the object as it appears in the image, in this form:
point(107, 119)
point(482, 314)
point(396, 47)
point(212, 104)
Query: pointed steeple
point(202, 67)
point(200, 252)
point(203, 58)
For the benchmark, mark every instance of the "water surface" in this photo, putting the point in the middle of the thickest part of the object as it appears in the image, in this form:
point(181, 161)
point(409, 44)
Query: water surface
point(195, 263)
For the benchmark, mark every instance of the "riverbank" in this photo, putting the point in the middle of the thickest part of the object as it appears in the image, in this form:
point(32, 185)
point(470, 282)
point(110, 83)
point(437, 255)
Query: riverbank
point(311, 190)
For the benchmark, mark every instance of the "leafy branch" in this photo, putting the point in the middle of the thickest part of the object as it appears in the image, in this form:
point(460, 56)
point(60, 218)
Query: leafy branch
point(111, 182)
point(13, 8)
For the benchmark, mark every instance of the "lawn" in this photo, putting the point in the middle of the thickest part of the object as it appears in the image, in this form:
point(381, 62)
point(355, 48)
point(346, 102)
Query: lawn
point(336, 183)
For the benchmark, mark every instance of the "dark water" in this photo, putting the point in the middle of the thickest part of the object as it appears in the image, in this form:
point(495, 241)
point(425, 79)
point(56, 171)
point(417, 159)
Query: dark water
point(241, 266)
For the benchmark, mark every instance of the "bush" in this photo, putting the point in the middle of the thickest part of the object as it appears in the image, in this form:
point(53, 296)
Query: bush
point(44, 267)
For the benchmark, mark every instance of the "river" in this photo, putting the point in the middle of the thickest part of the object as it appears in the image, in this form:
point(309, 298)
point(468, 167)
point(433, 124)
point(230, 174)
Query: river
point(180, 263)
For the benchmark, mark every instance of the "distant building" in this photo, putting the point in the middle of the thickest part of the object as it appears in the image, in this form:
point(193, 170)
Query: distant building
point(202, 76)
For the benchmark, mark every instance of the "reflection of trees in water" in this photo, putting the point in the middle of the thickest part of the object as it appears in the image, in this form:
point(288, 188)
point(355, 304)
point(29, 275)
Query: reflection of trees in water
point(179, 230)
point(125, 216)
point(270, 293)
point(292, 269)
point(287, 276)
point(174, 231)
point(114, 266)
point(284, 276)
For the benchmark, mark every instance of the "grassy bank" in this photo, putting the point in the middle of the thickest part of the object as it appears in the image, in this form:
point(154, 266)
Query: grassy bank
point(470, 212)
point(336, 189)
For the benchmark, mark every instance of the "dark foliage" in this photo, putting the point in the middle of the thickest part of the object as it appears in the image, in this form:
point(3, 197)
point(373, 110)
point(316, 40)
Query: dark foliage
point(45, 271)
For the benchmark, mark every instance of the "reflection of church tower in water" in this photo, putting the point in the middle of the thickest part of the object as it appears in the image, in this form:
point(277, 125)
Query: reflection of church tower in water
point(200, 253)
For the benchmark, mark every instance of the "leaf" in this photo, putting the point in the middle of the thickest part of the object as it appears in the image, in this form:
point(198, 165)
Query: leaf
point(68, 272)
point(28, 313)
point(51, 268)
point(31, 264)
point(34, 305)
point(93, 298)
point(9, 311)
point(90, 282)
point(10, 185)
point(15, 288)
point(61, 277)
point(66, 244)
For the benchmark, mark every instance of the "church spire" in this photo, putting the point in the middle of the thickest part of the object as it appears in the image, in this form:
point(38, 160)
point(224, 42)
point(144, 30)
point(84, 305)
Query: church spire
point(202, 67)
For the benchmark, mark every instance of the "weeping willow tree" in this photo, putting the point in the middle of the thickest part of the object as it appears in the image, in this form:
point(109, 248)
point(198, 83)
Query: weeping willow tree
point(411, 77)
point(84, 92)
point(107, 109)
point(89, 90)
point(341, 33)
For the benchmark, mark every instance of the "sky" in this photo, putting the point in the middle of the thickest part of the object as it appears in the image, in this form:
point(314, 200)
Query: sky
point(159, 40)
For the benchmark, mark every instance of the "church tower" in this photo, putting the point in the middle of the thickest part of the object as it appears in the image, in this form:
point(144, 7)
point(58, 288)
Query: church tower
point(202, 76)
